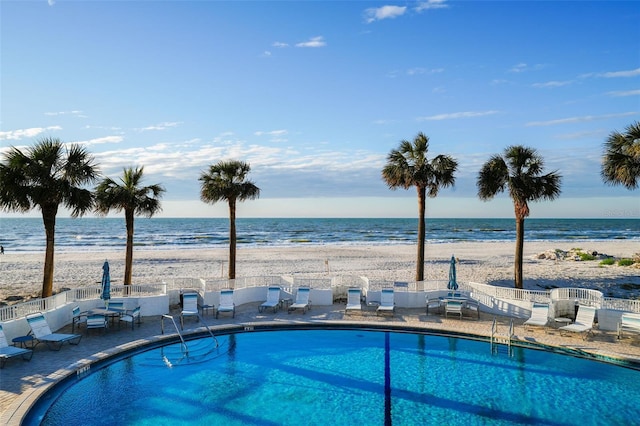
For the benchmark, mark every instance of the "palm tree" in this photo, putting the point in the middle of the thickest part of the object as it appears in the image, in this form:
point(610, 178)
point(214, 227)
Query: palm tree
point(226, 180)
point(519, 172)
point(47, 175)
point(408, 166)
point(134, 199)
point(621, 162)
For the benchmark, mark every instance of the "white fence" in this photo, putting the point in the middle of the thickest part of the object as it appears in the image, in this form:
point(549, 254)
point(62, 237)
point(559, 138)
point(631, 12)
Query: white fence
point(59, 300)
point(491, 297)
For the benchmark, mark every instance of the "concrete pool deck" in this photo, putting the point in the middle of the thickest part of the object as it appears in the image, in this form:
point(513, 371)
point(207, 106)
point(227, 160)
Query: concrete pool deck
point(21, 382)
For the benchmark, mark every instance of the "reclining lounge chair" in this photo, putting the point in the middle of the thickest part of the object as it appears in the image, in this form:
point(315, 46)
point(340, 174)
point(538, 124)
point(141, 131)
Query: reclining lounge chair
point(353, 301)
point(273, 300)
point(42, 333)
point(7, 352)
point(302, 300)
point(387, 303)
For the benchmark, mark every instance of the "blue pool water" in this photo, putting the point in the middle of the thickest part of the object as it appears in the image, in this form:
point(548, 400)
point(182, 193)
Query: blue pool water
point(348, 377)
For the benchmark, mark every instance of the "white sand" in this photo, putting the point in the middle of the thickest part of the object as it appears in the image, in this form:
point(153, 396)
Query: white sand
point(485, 262)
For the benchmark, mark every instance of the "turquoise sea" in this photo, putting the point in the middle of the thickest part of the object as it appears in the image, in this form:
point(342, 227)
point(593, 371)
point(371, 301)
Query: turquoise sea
point(101, 234)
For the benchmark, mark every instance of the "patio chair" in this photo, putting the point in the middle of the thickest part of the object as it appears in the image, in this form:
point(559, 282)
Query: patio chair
point(539, 315)
point(354, 300)
point(116, 306)
point(387, 302)
point(453, 307)
point(42, 332)
point(273, 300)
point(226, 303)
point(472, 305)
point(97, 321)
point(302, 300)
point(7, 352)
point(434, 303)
point(583, 323)
point(189, 307)
point(132, 316)
point(77, 318)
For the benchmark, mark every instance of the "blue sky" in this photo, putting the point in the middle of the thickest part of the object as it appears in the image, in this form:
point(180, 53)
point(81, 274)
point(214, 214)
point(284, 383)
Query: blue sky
point(314, 95)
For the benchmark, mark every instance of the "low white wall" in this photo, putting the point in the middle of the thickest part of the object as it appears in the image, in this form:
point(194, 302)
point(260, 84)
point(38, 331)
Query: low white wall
point(62, 316)
point(320, 297)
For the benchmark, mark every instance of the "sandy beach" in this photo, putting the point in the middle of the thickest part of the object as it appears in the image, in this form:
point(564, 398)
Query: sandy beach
point(485, 262)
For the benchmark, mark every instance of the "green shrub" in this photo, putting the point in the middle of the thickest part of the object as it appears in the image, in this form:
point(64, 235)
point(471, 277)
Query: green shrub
point(625, 262)
point(608, 261)
point(586, 256)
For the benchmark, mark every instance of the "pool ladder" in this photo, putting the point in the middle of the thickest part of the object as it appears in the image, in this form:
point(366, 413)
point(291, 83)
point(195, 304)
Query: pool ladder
point(498, 339)
point(183, 344)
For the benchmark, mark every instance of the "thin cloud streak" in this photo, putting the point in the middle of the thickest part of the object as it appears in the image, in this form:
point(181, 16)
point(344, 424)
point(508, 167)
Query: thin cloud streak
point(455, 115)
point(583, 119)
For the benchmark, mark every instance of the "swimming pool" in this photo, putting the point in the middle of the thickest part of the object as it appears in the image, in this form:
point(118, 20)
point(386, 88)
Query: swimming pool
point(345, 377)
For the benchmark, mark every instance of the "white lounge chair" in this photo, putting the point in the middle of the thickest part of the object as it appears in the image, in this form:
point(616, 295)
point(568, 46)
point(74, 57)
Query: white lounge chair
point(387, 302)
point(583, 323)
point(7, 352)
point(539, 315)
point(629, 322)
point(273, 300)
point(189, 307)
point(226, 303)
point(42, 332)
point(302, 300)
point(354, 300)
point(132, 316)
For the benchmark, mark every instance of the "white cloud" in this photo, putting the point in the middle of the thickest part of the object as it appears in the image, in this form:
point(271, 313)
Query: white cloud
point(385, 12)
point(313, 42)
point(271, 133)
point(161, 126)
point(26, 133)
point(279, 44)
point(582, 119)
point(418, 70)
point(523, 67)
point(103, 140)
point(624, 93)
point(615, 74)
point(454, 115)
point(431, 4)
point(551, 84)
point(612, 74)
point(74, 112)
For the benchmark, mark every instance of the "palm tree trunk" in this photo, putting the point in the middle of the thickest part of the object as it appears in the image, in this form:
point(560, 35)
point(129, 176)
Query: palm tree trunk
point(519, 251)
point(49, 221)
point(232, 239)
point(421, 233)
point(128, 263)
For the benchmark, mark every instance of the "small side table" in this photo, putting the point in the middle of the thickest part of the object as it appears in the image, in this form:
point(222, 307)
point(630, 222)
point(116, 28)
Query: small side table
point(206, 308)
point(372, 306)
point(285, 303)
point(27, 342)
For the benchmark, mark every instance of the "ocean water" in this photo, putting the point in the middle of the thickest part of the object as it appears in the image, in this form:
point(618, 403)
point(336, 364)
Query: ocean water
point(102, 234)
